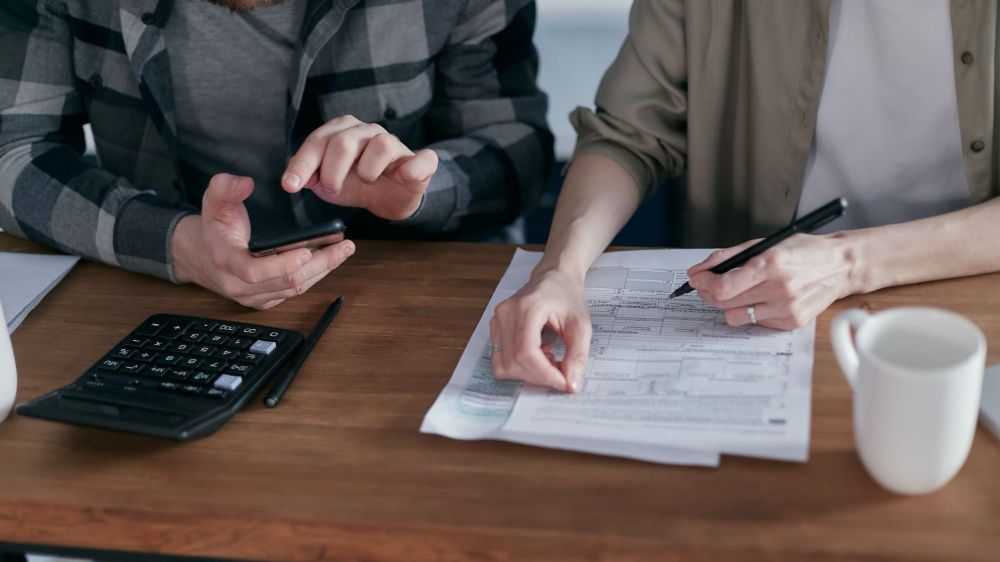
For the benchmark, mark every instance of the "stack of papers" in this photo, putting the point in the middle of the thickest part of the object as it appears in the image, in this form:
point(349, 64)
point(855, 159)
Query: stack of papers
point(26, 279)
point(668, 381)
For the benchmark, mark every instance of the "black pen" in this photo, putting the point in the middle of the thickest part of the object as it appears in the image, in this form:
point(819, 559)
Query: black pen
point(282, 384)
point(808, 223)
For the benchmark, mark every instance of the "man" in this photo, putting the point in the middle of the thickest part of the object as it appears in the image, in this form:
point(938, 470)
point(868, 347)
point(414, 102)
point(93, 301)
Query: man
point(410, 118)
point(772, 108)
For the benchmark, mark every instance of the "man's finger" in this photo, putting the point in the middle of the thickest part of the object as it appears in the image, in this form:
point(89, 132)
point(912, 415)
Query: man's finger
point(306, 161)
point(382, 150)
point(418, 168)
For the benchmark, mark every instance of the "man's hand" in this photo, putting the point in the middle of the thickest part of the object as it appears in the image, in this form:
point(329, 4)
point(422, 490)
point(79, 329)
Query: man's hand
point(788, 285)
point(551, 299)
point(353, 164)
point(211, 250)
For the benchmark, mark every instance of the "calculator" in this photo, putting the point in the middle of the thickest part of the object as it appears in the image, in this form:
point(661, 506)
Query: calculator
point(177, 377)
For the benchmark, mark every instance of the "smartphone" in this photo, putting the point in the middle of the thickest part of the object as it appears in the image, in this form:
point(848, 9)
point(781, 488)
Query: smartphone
point(314, 236)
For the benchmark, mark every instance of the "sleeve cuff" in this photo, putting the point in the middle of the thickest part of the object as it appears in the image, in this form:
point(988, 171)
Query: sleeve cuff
point(144, 233)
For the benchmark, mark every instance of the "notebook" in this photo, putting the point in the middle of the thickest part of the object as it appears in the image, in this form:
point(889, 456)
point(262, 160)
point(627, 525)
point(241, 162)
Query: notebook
point(25, 279)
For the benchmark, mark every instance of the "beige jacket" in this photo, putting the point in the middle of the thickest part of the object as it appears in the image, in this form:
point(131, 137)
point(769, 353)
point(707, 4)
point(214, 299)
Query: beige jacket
point(728, 92)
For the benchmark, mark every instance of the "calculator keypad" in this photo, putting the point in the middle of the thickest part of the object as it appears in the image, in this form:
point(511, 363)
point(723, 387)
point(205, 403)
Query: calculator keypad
point(204, 358)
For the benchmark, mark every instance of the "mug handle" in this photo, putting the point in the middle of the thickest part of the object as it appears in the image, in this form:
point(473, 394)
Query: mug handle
point(843, 345)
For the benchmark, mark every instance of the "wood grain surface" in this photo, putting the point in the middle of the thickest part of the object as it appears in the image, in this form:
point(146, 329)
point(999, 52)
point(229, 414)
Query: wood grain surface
point(339, 471)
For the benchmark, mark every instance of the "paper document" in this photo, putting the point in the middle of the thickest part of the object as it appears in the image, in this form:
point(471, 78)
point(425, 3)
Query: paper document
point(668, 381)
point(26, 278)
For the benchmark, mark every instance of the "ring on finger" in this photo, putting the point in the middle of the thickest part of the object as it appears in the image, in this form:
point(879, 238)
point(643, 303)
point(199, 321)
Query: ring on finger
point(752, 313)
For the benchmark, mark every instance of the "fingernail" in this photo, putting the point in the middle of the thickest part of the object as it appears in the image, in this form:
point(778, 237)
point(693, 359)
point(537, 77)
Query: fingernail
point(292, 180)
point(349, 250)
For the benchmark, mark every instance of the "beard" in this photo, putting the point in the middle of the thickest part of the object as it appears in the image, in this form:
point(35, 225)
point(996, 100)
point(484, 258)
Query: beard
point(243, 6)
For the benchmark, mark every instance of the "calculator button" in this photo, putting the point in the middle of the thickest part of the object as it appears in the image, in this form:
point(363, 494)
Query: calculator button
point(228, 382)
point(263, 347)
point(205, 325)
point(214, 366)
point(95, 385)
point(190, 363)
point(182, 347)
point(179, 374)
point(201, 377)
point(169, 359)
point(110, 364)
point(191, 389)
point(135, 342)
point(240, 343)
point(132, 368)
point(239, 369)
point(227, 328)
point(122, 353)
point(168, 386)
point(157, 370)
point(250, 357)
point(228, 354)
point(272, 335)
point(144, 356)
point(215, 393)
point(250, 331)
point(174, 329)
point(204, 350)
point(150, 328)
point(216, 339)
point(194, 337)
point(157, 345)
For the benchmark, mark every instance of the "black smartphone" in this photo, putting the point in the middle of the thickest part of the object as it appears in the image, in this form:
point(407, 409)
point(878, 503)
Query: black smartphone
point(314, 236)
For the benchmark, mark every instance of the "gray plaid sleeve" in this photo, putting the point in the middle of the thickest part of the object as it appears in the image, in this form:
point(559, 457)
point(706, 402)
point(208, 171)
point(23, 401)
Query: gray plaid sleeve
point(494, 146)
point(48, 192)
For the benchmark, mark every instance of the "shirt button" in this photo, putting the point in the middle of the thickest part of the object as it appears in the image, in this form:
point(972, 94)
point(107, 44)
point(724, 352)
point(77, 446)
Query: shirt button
point(967, 58)
point(96, 81)
point(149, 18)
point(977, 146)
point(390, 113)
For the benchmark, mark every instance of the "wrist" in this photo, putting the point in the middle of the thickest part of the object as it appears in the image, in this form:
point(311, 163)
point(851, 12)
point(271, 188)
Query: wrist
point(184, 248)
point(561, 265)
point(853, 250)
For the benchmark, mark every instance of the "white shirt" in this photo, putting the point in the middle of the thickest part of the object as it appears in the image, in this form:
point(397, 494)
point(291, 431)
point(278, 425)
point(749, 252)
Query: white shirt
point(887, 135)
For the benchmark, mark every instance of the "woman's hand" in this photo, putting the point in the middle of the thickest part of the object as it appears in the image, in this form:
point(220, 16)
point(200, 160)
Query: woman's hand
point(787, 286)
point(552, 299)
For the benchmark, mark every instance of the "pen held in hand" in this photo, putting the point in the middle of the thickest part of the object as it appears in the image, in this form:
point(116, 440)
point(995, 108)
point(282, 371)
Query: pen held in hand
point(807, 223)
point(285, 379)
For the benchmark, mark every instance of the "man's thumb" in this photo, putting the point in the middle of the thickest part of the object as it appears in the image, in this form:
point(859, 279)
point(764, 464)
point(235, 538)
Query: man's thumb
point(225, 194)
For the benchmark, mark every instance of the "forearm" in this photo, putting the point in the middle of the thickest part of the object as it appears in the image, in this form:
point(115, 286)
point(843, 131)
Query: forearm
point(597, 199)
point(957, 244)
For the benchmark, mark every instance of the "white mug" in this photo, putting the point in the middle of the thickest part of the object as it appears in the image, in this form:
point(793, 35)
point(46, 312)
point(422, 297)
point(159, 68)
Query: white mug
point(917, 374)
point(8, 372)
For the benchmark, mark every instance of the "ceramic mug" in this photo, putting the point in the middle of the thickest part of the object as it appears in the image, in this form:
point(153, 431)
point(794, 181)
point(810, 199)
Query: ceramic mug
point(916, 374)
point(8, 373)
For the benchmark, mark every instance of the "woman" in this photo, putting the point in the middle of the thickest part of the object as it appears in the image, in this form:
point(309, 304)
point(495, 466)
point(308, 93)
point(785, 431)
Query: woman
point(772, 108)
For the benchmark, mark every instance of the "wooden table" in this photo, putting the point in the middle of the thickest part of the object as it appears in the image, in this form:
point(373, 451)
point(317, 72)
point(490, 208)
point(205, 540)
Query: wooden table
point(339, 471)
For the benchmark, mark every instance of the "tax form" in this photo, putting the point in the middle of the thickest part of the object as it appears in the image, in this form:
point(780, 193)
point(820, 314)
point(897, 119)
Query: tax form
point(668, 381)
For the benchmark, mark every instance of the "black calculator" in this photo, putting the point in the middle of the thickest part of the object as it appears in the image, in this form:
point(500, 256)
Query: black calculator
point(177, 377)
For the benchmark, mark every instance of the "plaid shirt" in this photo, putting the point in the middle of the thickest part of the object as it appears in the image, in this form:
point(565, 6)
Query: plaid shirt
point(457, 77)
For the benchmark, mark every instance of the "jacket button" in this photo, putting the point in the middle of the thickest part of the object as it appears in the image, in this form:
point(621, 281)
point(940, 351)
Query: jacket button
point(977, 146)
point(390, 113)
point(96, 80)
point(149, 18)
point(967, 58)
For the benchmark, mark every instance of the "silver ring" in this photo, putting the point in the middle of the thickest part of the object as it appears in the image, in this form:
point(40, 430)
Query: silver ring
point(752, 313)
point(497, 348)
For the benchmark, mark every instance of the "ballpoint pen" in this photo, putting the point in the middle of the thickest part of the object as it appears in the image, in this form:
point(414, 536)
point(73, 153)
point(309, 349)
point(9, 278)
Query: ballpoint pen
point(281, 385)
point(807, 223)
